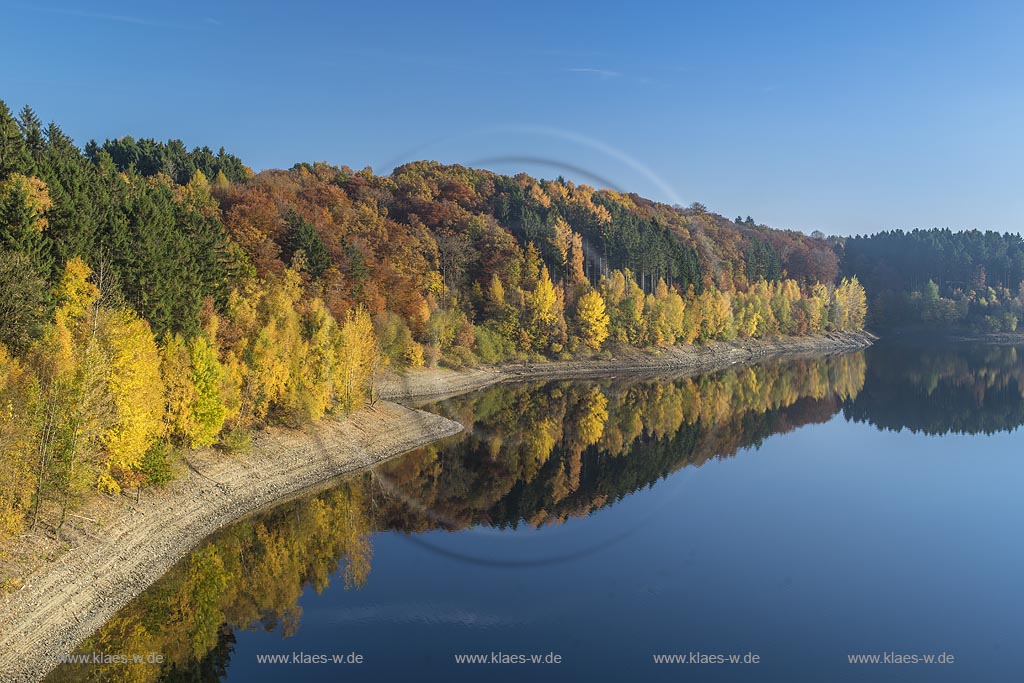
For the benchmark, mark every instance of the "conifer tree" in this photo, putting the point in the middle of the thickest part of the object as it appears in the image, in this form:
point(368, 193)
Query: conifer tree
point(13, 154)
point(24, 203)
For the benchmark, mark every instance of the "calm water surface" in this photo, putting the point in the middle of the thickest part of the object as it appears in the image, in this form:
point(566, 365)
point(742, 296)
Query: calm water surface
point(801, 511)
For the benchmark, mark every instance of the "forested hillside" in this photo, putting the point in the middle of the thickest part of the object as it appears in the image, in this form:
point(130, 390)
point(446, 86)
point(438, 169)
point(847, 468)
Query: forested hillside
point(154, 298)
point(940, 278)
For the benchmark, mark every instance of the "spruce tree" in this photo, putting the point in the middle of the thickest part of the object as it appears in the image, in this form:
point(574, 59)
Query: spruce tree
point(32, 132)
point(13, 154)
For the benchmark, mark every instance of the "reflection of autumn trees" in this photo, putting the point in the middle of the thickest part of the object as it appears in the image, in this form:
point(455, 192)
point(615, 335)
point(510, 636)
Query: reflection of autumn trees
point(961, 388)
point(535, 453)
point(249, 576)
point(542, 453)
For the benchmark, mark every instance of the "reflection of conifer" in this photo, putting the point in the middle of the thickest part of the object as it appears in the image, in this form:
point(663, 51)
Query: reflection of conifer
point(940, 390)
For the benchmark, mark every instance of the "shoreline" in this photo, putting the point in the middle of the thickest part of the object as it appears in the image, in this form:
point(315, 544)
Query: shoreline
point(420, 385)
point(955, 336)
point(66, 599)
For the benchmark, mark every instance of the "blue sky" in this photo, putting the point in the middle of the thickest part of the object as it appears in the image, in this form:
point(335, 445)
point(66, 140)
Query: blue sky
point(843, 117)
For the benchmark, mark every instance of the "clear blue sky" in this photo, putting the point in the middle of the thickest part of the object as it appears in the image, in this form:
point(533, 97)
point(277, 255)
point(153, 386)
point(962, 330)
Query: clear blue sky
point(808, 115)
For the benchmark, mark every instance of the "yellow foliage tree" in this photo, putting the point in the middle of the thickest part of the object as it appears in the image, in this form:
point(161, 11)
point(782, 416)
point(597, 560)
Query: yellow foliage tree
point(312, 393)
point(19, 396)
point(77, 408)
point(716, 319)
point(137, 392)
point(179, 388)
point(542, 314)
point(269, 341)
point(357, 358)
point(208, 406)
point(591, 319)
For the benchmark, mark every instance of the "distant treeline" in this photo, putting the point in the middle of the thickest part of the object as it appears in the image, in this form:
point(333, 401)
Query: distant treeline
point(155, 298)
point(940, 278)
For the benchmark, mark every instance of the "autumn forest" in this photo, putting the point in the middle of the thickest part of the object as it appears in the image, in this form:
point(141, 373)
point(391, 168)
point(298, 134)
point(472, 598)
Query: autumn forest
point(156, 298)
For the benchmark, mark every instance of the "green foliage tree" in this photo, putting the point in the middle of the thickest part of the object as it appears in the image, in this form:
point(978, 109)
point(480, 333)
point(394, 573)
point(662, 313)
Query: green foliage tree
point(23, 301)
point(304, 237)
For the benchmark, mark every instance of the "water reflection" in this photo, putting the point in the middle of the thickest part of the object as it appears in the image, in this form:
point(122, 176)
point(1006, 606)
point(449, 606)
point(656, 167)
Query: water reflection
point(249, 576)
point(534, 454)
point(942, 389)
point(542, 453)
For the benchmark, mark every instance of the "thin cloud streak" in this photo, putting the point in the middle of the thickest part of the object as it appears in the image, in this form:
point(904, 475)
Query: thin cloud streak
point(603, 73)
point(118, 18)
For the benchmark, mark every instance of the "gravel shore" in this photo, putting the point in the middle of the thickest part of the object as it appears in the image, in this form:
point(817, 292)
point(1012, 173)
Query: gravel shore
point(438, 383)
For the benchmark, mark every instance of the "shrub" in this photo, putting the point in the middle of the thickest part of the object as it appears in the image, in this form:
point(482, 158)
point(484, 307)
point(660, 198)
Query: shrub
point(157, 465)
point(395, 339)
point(236, 441)
point(491, 345)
